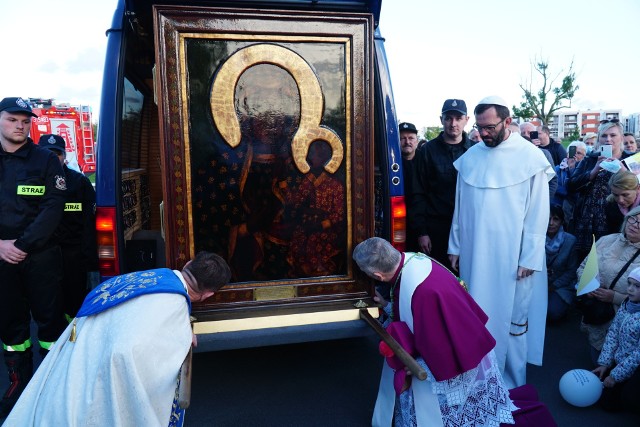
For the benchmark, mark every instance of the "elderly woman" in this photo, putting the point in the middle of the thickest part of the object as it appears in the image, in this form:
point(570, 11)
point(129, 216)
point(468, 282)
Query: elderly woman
point(561, 265)
point(618, 255)
point(564, 171)
point(625, 195)
point(591, 182)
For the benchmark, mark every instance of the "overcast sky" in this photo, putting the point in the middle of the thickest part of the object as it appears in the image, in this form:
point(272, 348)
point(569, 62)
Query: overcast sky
point(471, 49)
point(436, 50)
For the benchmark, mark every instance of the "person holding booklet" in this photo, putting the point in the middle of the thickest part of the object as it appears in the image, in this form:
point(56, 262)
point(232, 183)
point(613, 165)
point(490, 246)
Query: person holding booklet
point(617, 255)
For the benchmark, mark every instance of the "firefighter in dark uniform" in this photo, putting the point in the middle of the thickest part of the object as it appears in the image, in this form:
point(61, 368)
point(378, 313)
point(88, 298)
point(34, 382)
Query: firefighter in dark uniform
point(32, 194)
point(76, 233)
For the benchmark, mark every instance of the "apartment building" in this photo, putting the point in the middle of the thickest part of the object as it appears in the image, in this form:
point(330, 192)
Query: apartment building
point(565, 122)
point(632, 124)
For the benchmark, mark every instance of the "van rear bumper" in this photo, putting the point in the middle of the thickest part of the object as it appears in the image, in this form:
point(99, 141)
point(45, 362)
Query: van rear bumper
point(231, 334)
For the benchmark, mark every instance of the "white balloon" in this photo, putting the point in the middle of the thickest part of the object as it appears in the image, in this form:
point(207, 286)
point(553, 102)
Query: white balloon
point(580, 387)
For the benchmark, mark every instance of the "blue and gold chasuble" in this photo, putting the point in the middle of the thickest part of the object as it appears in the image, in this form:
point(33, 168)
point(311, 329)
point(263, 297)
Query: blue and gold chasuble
point(128, 286)
point(123, 288)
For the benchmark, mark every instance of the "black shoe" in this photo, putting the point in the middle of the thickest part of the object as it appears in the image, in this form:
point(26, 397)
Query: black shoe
point(20, 369)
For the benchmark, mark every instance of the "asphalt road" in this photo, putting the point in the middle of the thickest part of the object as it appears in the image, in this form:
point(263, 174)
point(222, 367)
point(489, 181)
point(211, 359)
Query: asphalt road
point(334, 383)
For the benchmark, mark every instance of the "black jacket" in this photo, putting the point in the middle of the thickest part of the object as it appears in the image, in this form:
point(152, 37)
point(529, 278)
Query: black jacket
point(77, 227)
point(557, 151)
point(32, 193)
point(409, 174)
point(434, 186)
point(614, 217)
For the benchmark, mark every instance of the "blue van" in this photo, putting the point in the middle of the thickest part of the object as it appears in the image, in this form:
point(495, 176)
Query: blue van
point(264, 131)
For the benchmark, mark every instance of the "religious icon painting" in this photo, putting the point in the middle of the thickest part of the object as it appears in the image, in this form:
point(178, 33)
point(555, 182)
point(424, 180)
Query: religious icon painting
point(267, 137)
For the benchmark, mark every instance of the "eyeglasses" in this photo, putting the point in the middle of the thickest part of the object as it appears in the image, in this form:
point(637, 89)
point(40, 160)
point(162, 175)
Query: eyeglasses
point(489, 128)
point(633, 220)
point(609, 121)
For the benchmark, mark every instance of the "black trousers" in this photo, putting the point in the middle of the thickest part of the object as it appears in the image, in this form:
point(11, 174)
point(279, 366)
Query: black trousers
point(74, 283)
point(32, 288)
point(439, 229)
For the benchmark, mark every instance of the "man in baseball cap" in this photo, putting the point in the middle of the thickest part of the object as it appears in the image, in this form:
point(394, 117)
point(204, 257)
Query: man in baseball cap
point(32, 200)
point(409, 146)
point(457, 105)
point(76, 233)
point(16, 105)
point(53, 142)
point(435, 184)
point(408, 139)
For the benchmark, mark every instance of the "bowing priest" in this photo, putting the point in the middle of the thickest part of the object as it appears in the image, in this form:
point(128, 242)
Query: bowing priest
point(436, 321)
point(118, 363)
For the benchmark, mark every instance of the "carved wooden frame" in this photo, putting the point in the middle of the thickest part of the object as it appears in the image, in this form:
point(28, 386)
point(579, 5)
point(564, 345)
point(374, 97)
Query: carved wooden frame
point(173, 26)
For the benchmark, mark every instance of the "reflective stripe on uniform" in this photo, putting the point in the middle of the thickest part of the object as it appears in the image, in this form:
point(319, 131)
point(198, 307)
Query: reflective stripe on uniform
point(18, 347)
point(46, 345)
point(72, 207)
point(30, 190)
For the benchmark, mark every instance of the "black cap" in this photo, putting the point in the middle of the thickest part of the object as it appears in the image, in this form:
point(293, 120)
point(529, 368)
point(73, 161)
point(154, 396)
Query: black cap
point(16, 105)
point(457, 105)
point(52, 142)
point(407, 127)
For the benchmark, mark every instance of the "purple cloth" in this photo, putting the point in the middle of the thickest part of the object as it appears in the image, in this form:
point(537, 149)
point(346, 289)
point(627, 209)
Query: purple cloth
point(532, 412)
point(402, 334)
point(448, 326)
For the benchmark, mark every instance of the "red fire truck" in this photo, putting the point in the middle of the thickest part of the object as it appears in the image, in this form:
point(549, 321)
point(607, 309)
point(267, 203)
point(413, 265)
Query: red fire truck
point(73, 123)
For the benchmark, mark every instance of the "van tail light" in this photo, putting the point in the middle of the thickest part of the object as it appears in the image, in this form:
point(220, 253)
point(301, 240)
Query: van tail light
point(398, 223)
point(107, 242)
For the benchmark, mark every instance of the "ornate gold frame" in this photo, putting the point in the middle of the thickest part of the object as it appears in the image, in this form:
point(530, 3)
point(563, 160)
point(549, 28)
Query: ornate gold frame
point(173, 27)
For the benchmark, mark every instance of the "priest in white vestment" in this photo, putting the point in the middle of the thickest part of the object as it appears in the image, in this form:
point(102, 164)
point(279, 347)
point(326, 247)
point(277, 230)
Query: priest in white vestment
point(118, 363)
point(498, 236)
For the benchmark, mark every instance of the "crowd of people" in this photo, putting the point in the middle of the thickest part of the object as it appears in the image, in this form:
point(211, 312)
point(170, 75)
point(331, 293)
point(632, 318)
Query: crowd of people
point(501, 224)
point(515, 214)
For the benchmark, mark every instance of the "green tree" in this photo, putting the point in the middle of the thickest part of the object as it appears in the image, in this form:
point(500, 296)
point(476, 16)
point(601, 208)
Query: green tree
point(431, 132)
point(568, 139)
point(544, 102)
